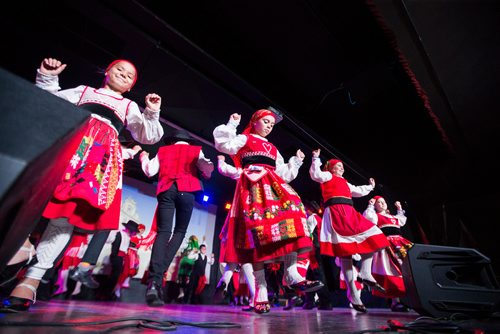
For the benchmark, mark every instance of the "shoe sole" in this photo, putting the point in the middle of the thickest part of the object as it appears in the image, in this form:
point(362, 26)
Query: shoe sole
point(314, 288)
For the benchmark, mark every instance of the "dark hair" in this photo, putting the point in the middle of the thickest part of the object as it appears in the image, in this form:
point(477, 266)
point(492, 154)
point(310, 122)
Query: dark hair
point(203, 245)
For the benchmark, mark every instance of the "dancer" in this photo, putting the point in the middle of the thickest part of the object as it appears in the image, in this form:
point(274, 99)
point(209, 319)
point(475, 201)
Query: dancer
point(197, 278)
point(88, 196)
point(344, 231)
point(178, 164)
point(83, 271)
point(186, 263)
point(388, 262)
point(221, 290)
point(316, 268)
point(267, 222)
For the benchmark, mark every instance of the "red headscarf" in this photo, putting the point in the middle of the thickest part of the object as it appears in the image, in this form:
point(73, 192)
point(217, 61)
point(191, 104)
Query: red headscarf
point(376, 197)
point(248, 129)
point(330, 163)
point(127, 61)
point(255, 117)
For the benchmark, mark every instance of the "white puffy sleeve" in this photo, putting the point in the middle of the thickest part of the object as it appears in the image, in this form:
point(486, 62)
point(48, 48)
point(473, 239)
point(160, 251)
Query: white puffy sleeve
point(316, 173)
point(205, 166)
point(288, 171)
point(226, 140)
point(50, 83)
point(145, 127)
point(370, 214)
point(150, 167)
point(360, 191)
point(401, 217)
point(227, 170)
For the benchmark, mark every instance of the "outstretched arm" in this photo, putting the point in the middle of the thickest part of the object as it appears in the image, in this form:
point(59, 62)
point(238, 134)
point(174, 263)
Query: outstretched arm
point(315, 170)
point(149, 167)
point(225, 138)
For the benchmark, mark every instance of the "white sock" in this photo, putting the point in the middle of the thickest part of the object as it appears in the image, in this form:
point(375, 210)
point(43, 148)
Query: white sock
point(366, 267)
point(228, 273)
point(52, 243)
point(247, 269)
point(353, 294)
point(261, 286)
point(291, 274)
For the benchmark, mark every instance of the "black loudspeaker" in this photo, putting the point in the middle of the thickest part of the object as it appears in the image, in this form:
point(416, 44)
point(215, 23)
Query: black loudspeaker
point(38, 132)
point(443, 280)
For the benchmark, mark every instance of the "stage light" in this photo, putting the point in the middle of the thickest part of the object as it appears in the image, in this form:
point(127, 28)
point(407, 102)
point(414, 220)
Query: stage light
point(227, 206)
point(205, 198)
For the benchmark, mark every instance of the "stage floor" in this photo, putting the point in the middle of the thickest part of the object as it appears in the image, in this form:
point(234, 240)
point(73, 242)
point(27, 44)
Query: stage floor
point(297, 320)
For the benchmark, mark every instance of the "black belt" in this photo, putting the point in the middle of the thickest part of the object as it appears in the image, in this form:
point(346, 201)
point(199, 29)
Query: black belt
point(391, 230)
point(339, 200)
point(258, 160)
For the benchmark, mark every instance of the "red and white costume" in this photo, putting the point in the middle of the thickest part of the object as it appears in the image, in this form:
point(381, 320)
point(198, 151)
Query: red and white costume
point(267, 218)
point(344, 231)
point(89, 194)
point(387, 263)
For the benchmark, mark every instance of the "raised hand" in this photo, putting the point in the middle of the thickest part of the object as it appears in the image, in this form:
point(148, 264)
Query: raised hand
point(153, 102)
point(300, 154)
point(235, 117)
point(316, 153)
point(143, 155)
point(51, 66)
point(372, 182)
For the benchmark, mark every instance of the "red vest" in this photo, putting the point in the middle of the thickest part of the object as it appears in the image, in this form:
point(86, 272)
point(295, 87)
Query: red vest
point(178, 164)
point(384, 221)
point(336, 187)
point(254, 148)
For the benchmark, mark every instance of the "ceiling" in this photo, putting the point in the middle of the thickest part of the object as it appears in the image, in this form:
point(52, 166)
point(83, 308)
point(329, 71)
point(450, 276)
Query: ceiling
point(402, 91)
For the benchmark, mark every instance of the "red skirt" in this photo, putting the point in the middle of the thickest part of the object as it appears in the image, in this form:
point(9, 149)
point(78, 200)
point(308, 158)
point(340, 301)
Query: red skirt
point(387, 267)
point(345, 232)
point(267, 220)
point(89, 193)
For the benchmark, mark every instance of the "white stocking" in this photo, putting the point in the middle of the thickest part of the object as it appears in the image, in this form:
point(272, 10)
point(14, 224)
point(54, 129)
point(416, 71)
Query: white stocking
point(247, 269)
point(353, 294)
point(261, 286)
point(291, 274)
point(228, 273)
point(366, 267)
point(53, 241)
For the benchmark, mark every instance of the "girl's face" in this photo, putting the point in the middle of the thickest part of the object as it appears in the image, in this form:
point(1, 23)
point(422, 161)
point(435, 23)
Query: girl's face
point(380, 205)
point(120, 77)
point(263, 126)
point(338, 169)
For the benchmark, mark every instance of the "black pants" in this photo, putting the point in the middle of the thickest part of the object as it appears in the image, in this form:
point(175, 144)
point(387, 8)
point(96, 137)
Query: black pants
point(166, 244)
point(95, 246)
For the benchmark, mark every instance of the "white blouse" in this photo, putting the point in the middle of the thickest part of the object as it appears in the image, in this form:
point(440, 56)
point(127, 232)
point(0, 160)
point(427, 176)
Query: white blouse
point(227, 141)
point(145, 127)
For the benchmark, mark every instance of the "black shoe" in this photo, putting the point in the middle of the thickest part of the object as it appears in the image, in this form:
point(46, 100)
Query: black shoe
point(154, 296)
point(291, 302)
point(373, 285)
point(325, 307)
point(15, 304)
point(247, 308)
point(398, 307)
point(308, 305)
point(360, 308)
point(307, 286)
point(85, 277)
point(220, 294)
